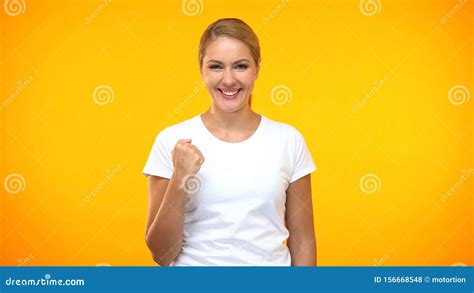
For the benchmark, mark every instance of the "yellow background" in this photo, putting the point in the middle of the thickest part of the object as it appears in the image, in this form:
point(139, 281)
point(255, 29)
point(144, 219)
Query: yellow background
point(370, 93)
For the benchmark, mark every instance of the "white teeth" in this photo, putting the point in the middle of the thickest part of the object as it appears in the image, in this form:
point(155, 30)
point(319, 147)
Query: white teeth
point(229, 93)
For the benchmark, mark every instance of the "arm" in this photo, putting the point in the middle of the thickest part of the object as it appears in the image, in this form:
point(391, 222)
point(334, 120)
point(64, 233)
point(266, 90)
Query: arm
point(167, 199)
point(299, 222)
point(164, 230)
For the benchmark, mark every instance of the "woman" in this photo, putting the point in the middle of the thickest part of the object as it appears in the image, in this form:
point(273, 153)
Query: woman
point(230, 187)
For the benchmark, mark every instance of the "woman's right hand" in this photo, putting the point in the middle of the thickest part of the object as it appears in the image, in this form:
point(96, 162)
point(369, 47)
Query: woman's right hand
point(187, 158)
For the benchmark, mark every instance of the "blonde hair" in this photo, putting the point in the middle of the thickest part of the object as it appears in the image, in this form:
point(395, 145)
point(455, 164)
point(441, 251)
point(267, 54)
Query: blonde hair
point(233, 28)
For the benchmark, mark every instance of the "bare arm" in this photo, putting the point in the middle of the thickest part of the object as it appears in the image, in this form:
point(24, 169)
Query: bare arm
point(299, 222)
point(164, 230)
point(167, 198)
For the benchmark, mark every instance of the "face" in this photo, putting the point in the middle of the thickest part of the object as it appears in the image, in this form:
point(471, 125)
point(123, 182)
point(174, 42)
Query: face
point(229, 72)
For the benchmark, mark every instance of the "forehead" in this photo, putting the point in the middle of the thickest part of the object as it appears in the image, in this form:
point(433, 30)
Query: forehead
point(227, 49)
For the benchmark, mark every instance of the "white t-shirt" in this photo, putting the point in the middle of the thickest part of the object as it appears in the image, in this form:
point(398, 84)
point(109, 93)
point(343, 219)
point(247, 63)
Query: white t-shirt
point(235, 208)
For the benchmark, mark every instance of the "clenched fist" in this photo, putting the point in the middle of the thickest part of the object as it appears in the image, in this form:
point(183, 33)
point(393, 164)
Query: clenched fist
point(187, 158)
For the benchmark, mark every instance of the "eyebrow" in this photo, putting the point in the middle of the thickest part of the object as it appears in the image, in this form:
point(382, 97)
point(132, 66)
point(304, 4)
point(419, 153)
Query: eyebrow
point(217, 61)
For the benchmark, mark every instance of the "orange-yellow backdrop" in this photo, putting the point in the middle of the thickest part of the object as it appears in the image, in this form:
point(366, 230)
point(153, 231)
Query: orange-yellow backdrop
point(380, 90)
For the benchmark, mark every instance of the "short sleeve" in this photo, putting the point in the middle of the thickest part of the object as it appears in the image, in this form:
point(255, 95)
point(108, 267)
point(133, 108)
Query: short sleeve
point(159, 161)
point(302, 161)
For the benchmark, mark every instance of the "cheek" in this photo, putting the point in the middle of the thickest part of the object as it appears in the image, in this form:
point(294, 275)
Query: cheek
point(248, 81)
point(248, 78)
point(210, 79)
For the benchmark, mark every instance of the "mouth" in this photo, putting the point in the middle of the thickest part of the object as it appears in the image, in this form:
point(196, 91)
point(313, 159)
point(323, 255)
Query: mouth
point(229, 94)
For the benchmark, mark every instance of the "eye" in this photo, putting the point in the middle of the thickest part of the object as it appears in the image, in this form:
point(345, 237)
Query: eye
point(241, 66)
point(215, 67)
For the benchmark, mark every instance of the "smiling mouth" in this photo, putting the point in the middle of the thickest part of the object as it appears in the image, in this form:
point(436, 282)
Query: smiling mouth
point(229, 94)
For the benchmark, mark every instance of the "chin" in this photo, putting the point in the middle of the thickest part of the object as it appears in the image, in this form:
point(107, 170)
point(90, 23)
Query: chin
point(230, 108)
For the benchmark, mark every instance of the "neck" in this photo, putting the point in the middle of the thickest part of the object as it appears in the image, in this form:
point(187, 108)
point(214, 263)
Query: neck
point(230, 121)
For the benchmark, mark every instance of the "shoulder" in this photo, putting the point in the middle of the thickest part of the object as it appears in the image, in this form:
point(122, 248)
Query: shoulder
point(181, 128)
point(282, 129)
point(169, 135)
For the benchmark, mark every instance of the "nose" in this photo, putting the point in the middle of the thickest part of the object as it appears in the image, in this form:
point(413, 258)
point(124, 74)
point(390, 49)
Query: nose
point(228, 78)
